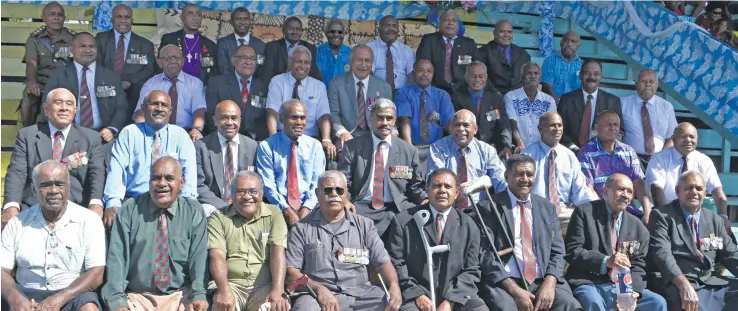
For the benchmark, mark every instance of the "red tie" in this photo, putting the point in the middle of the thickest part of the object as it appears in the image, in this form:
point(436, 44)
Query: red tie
point(362, 105)
point(230, 172)
point(647, 129)
point(507, 53)
point(586, 120)
point(85, 103)
point(613, 244)
point(57, 149)
point(424, 131)
point(529, 259)
point(553, 186)
point(390, 68)
point(295, 95)
point(162, 273)
point(241, 42)
point(439, 228)
point(244, 94)
point(461, 201)
point(378, 188)
point(478, 103)
point(293, 189)
point(173, 94)
point(120, 54)
point(447, 68)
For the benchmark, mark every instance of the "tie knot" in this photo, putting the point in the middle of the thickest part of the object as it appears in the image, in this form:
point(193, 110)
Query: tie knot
point(292, 45)
point(58, 134)
point(297, 83)
point(645, 102)
point(174, 80)
point(589, 97)
point(553, 153)
point(381, 144)
point(521, 204)
point(439, 217)
point(242, 41)
point(244, 82)
point(462, 151)
point(684, 159)
point(360, 84)
point(230, 142)
point(85, 68)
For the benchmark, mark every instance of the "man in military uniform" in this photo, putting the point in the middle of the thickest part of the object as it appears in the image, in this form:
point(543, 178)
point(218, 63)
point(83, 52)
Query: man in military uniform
point(46, 49)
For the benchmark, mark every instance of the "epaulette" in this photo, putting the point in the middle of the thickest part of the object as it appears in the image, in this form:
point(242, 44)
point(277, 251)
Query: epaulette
point(38, 31)
point(71, 32)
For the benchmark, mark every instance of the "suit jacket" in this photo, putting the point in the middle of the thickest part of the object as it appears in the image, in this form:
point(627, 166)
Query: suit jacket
point(673, 251)
point(227, 87)
point(228, 45)
point(456, 272)
point(113, 110)
point(433, 47)
point(177, 38)
point(504, 77)
point(33, 146)
point(343, 100)
point(588, 242)
point(494, 125)
point(571, 108)
point(276, 60)
point(210, 169)
point(356, 159)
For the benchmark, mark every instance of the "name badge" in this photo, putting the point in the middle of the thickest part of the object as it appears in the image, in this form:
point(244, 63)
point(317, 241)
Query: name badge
point(105, 91)
point(401, 171)
point(464, 60)
point(137, 59)
point(62, 52)
point(75, 160)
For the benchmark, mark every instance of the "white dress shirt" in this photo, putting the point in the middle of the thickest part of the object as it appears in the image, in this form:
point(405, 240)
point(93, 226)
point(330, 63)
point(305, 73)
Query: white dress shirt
point(510, 266)
point(90, 76)
point(444, 217)
point(403, 60)
point(526, 114)
point(665, 166)
point(223, 145)
point(385, 154)
point(661, 115)
point(592, 116)
point(246, 39)
point(52, 258)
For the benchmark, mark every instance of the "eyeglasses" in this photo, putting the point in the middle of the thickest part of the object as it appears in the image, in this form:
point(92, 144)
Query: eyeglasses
point(245, 58)
point(335, 32)
point(716, 13)
point(329, 190)
point(252, 192)
point(171, 58)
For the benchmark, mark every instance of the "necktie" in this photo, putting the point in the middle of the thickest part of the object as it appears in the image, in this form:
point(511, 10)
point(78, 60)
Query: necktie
point(526, 236)
point(161, 253)
point(390, 68)
point(293, 190)
point(684, 165)
point(241, 42)
point(439, 228)
point(647, 129)
point(378, 188)
point(173, 94)
point(553, 186)
point(506, 51)
point(85, 102)
point(477, 102)
point(424, 131)
point(120, 54)
point(295, 95)
point(461, 201)
point(57, 149)
point(447, 65)
point(230, 172)
point(613, 244)
point(156, 148)
point(693, 224)
point(362, 105)
point(586, 120)
point(244, 94)
point(289, 50)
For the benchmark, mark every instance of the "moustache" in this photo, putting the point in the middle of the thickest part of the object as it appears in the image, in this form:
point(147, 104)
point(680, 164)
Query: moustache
point(56, 196)
point(335, 199)
point(591, 80)
point(623, 200)
point(159, 113)
point(162, 189)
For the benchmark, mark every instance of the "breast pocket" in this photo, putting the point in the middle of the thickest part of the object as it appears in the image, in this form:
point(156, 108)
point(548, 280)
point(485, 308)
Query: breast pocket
point(71, 253)
point(316, 257)
point(179, 248)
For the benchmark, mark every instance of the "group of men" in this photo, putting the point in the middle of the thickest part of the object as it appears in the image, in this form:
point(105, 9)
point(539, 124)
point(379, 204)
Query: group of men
point(236, 142)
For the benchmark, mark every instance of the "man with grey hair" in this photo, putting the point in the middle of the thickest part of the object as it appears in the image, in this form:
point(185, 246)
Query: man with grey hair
point(351, 94)
point(77, 147)
point(524, 106)
point(278, 52)
point(56, 246)
point(382, 170)
point(333, 56)
point(330, 251)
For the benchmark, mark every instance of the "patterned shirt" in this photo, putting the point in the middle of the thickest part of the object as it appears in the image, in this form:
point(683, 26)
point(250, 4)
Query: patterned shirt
point(526, 114)
point(333, 65)
point(564, 75)
point(598, 164)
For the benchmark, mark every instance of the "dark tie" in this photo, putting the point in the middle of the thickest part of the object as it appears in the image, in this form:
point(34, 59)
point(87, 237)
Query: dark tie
point(85, 102)
point(173, 94)
point(390, 67)
point(461, 201)
point(439, 228)
point(120, 54)
point(162, 274)
point(526, 236)
point(289, 51)
point(553, 186)
point(378, 188)
point(647, 129)
point(478, 102)
point(362, 105)
point(424, 130)
point(293, 189)
point(506, 51)
point(447, 64)
point(586, 120)
point(156, 148)
point(295, 95)
point(693, 225)
point(684, 165)
point(230, 172)
point(57, 149)
point(244, 94)
point(241, 42)
point(613, 244)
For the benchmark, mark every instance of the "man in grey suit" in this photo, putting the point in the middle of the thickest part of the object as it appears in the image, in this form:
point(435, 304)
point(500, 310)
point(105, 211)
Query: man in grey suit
point(221, 155)
point(58, 139)
point(352, 92)
point(380, 193)
point(241, 22)
point(102, 102)
point(126, 53)
point(687, 242)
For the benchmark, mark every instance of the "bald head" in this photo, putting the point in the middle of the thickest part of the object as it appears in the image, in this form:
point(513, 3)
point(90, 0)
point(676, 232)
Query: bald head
point(551, 128)
point(463, 127)
point(227, 118)
point(685, 138)
point(503, 33)
point(570, 43)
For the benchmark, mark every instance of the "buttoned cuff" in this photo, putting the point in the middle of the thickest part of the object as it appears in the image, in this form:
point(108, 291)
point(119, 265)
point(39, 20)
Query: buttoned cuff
point(603, 266)
point(113, 202)
point(95, 202)
point(11, 204)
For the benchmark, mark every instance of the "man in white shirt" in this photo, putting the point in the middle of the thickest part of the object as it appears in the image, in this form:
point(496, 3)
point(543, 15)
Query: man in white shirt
point(393, 60)
point(57, 248)
point(649, 119)
point(525, 105)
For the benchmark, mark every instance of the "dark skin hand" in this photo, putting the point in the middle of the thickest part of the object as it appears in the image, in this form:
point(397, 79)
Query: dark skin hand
point(523, 298)
point(88, 281)
point(687, 294)
point(545, 293)
point(278, 265)
point(326, 299)
point(109, 216)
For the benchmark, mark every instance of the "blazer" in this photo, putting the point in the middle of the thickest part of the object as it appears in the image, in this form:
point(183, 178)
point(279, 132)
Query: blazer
point(177, 38)
point(588, 242)
point(210, 166)
point(433, 48)
point(456, 272)
point(33, 146)
point(227, 87)
point(494, 125)
point(571, 108)
point(113, 110)
point(673, 251)
point(355, 162)
point(276, 60)
point(504, 77)
point(343, 100)
point(228, 45)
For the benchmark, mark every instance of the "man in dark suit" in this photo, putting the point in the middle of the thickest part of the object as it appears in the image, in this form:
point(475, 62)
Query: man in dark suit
point(455, 272)
point(601, 237)
point(376, 193)
point(58, 139)
point(687, 242)
point(277, 52)
point(244, 88)
point(449, 53)
point(200, 52)
point(102, 102)
point(487, 104)
point(345, 91)
point(126, 53)
point(215, 172)
point(241, 22)
point(580, 107)
point(504, 59)
point(537, 250)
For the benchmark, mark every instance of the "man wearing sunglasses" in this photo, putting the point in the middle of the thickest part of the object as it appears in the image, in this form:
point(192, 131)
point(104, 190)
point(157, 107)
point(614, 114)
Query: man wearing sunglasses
point(336, 244)
point(333, 56)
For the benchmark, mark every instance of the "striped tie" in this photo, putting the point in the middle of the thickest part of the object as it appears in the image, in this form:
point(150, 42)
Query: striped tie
point(241, 42)
point(85, 102)
point(647, 129)
point(684, 165)
point(553, 186)
point(362, 105)
point(424, 130)
point(162, 275)
point(439, 228)
point(296, 95)
point(447, 62)
point(378, 188)
point(461, 201)
point(613, 244)
point(529, 259)
point(230, 172)
point(156, 147)
point(120, 54)
point(693, 223)
point(293, 189)
point(57, 149)
point(174, 96)
point(586, 120)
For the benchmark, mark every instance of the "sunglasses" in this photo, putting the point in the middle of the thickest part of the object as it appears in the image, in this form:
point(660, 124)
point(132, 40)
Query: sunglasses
point(329, 190)
point(335, 32)
point(717, 13)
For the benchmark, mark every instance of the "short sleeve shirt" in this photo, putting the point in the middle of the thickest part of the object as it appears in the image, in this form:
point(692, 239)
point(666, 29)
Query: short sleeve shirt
point(48, 54)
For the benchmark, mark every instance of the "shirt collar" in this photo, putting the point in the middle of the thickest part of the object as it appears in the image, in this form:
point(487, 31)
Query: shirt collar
point(594, 94)
point(90, 67)
point(435, 212)
point(650, 100)
point(126, 35)
point(678, 155)
point(69, 215)
point(238, 78)
point(148, 129)
point(365, 81)
point(514, 200)
point(222, 139)
point(376, 140)
point(180, 76)
point(609, 211)
point(445, 40)
point(247, 38)
point(287, 139)
point(474, 96)
point(263, 211)
point(546, 148)
point(65, 131)
point(172, 210)
point(573, 59)
point(696, 214)
point(293, 80)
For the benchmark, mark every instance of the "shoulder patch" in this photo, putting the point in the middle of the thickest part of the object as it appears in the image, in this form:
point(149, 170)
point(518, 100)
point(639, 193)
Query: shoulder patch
point(38, 31)
point(71, 32)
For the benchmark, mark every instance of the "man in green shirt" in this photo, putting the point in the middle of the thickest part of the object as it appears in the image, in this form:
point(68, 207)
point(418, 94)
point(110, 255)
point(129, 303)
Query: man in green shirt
point(247, 246)
point(158, 248)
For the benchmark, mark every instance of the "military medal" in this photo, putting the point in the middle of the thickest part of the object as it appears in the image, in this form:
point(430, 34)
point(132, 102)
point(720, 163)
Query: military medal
point(259, 59)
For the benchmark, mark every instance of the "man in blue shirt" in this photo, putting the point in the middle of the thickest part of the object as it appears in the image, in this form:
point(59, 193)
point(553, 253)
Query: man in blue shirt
point(333, 56)
point(561, 71)
point(290, 163)
point(138, 146)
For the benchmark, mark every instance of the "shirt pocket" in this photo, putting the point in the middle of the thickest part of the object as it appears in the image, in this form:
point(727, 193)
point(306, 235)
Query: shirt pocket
point(316, 257)
point(179, 249)
point(70, 252)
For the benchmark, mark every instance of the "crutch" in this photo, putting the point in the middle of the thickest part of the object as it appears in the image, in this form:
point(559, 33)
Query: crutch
point(421, 217)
